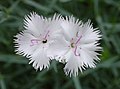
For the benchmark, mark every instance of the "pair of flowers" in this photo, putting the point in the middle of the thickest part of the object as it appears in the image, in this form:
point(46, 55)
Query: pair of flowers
point(68, 40)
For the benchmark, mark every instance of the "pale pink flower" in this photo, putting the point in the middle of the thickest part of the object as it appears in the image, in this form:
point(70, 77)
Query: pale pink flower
point(37, 37)
point(78, 47)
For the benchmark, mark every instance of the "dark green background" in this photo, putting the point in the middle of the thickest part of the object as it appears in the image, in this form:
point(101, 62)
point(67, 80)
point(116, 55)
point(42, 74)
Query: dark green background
point(16, 73)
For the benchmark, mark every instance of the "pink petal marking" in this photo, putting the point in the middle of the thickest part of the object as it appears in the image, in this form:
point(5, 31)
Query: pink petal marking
point(46, 34)
point(75, 52)
point(78, 39)
point(34, 42)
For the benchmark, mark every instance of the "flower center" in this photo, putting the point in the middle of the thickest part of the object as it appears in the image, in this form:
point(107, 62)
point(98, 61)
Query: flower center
point(72, 45)
point(44, 41)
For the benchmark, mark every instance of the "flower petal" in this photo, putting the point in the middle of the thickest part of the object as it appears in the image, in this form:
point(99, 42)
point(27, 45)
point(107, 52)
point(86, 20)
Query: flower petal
point(39, 59)
point(88, 33)
point(35, 24)
point(88, 58)
point(58, 48)
point(70, 27)
point(54, 26)
point(91, 46)
point(73, 65)
point(23, 44)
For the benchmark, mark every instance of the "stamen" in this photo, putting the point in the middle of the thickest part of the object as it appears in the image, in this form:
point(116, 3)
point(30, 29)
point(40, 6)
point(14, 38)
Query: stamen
point(77, 34)
point(34, 42)
point(72, 38)
point(46, 34)
point(75, 52)
point(78, 39)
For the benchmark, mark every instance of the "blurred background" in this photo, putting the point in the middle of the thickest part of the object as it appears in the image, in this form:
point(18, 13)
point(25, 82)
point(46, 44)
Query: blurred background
point(16, 73)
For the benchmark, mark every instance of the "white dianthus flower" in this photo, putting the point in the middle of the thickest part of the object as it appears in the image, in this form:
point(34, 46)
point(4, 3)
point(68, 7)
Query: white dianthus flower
point(68, 40)
point(78, 47)
point(35, 40)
